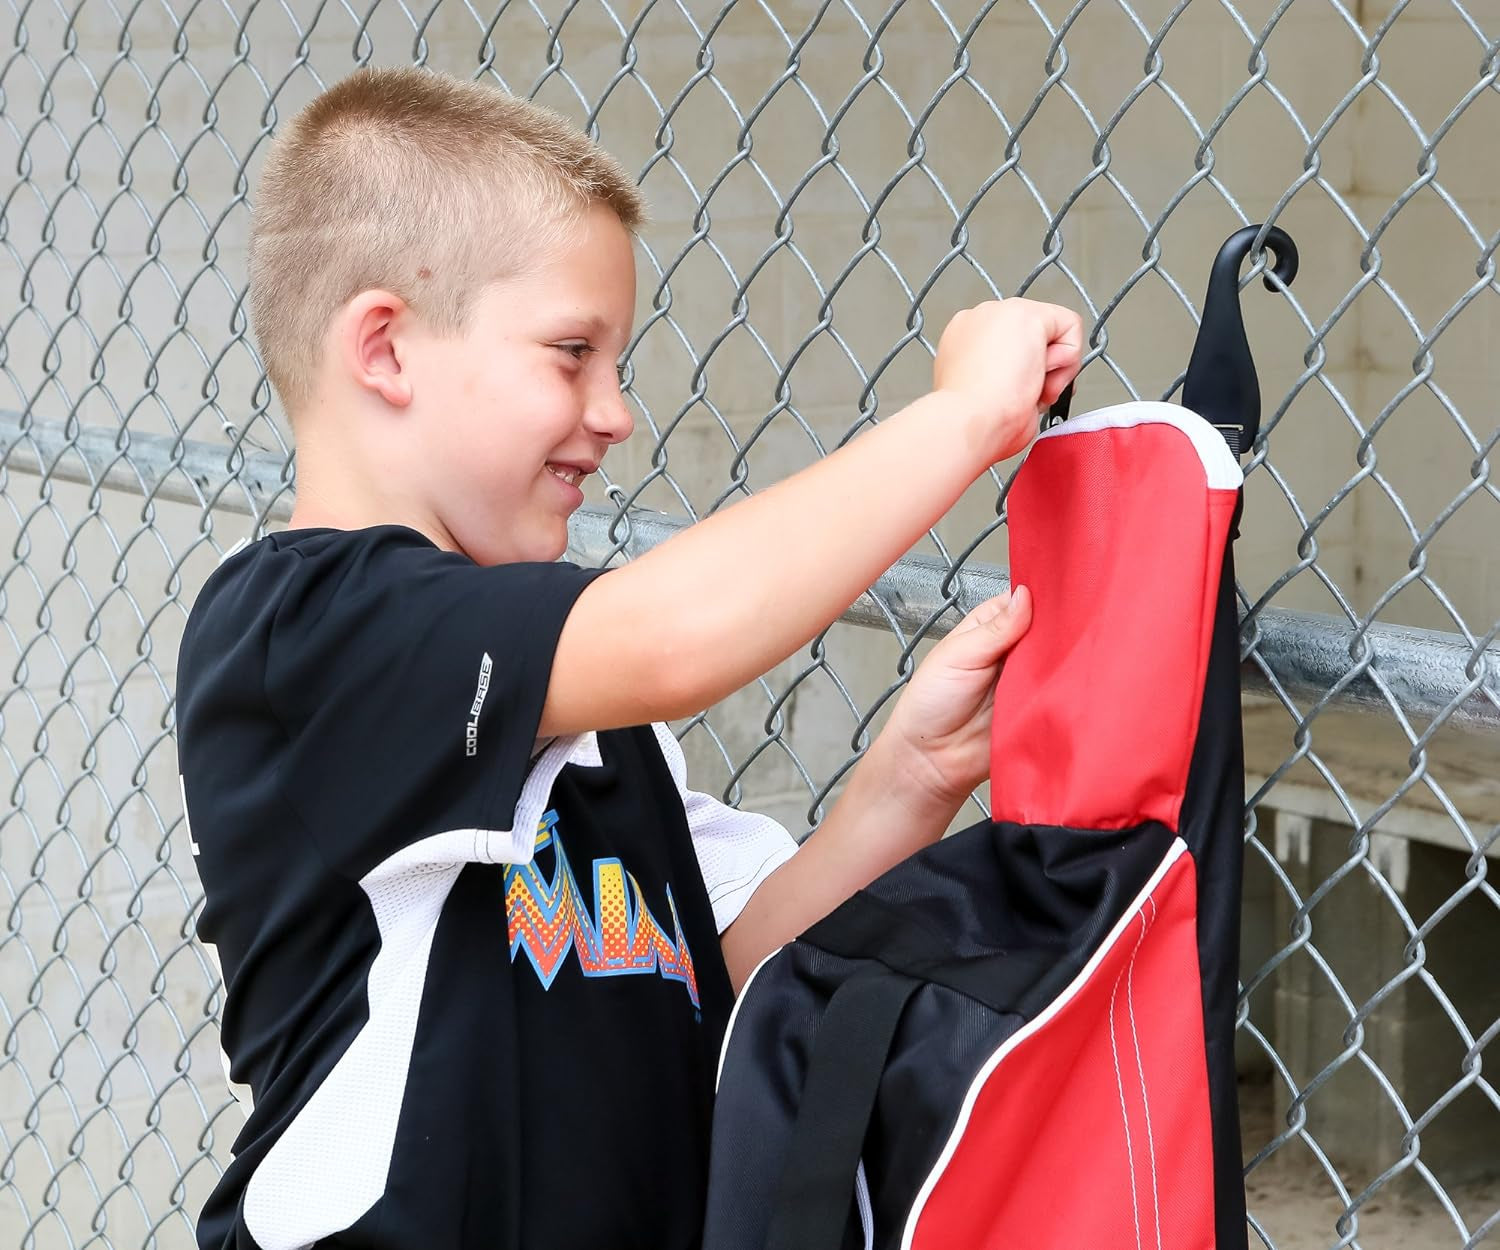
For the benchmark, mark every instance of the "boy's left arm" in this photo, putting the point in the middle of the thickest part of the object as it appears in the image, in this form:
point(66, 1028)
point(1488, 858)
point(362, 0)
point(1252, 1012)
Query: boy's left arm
point(902, 795)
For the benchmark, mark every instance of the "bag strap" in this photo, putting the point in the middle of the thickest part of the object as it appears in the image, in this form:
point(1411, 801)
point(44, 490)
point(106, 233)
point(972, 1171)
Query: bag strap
point(816, 1192)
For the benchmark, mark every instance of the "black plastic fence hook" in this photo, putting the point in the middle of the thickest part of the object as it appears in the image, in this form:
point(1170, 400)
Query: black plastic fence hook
point(1221, 385)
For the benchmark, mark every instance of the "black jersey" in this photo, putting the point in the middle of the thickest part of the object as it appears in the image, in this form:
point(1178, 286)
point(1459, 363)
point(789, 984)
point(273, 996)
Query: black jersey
point(474, 993)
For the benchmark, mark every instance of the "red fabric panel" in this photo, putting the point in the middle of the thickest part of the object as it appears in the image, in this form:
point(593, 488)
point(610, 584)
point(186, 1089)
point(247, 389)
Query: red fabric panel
point(1120, 540)
point(1065, 1146)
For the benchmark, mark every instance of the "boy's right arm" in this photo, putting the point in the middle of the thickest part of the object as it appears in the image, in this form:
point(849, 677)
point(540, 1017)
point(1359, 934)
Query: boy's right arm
point(703, 614)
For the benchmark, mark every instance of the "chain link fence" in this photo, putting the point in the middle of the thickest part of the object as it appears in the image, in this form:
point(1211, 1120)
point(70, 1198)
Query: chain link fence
point(828, 181)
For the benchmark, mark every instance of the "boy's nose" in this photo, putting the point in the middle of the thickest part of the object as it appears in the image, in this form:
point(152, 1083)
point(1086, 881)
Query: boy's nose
point(609, 417)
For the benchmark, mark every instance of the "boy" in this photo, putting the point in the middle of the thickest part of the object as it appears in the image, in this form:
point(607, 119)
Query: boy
point(480, 941)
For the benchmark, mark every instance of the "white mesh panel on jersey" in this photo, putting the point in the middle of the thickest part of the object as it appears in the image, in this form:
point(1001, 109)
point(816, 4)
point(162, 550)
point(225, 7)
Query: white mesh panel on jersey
point(736, 850)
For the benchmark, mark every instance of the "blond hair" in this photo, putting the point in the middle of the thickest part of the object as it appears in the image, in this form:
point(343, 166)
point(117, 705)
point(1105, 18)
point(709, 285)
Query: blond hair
point(418, 183)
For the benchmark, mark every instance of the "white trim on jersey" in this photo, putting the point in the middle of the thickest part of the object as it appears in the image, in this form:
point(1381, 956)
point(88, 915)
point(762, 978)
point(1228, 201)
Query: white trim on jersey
point(736, 850)
point(1220, 467)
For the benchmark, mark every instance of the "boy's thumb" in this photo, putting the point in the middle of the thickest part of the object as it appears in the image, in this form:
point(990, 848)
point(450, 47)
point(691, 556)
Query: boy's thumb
point(1015, 618)
point(997, 625)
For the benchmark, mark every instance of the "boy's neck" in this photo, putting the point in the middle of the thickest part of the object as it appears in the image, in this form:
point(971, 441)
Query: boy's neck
point(337, 490)
point(317, 512)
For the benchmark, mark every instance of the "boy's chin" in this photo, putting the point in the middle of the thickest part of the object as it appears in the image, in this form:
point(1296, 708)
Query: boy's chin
point(543, 546)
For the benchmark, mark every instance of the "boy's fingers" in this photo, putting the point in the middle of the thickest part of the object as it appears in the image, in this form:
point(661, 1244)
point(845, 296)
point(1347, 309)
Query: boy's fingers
point(1062, 355)
point(1056, 383)
point(1064, 352)
point(1064, 330)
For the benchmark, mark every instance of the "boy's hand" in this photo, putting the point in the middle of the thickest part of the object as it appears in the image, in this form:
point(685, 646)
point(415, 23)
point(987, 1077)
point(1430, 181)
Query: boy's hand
point(940, 730)
point(934, 750)
point(1007, 360)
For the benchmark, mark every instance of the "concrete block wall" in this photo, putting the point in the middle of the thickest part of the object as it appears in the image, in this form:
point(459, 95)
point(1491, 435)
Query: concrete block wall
point(1364, 1012)
point(122, 235)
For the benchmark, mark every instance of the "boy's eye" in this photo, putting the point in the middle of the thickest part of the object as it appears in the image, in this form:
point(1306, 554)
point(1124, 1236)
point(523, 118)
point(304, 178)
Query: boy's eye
point(581, 351)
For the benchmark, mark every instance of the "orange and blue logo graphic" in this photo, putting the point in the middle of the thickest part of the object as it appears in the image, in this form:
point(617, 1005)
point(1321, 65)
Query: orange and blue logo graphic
point(549, 918)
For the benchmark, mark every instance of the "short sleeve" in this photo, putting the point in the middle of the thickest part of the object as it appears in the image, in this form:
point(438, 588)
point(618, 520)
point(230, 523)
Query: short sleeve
point(409, 683)
point(736, 850)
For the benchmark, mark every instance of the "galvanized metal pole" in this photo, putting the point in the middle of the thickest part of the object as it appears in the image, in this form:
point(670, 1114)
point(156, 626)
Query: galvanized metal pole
point(1305, 654)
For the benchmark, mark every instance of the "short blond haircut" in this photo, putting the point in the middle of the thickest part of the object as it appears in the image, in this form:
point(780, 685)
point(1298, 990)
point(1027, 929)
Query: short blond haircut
point(418, 183)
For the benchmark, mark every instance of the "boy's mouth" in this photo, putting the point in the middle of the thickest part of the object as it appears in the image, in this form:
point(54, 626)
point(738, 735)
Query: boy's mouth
point(569, 473)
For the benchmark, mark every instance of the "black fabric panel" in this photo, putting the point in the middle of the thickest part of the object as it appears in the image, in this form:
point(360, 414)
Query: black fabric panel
point(1212, 826)
point(286, 1065)
point(814, 1202)
point(765, 1064)
point(1007, 914)
point(1000, 980)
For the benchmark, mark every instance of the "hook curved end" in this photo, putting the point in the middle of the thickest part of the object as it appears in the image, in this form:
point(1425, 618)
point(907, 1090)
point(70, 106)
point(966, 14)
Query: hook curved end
point(1221, 384)
point(1280, 245)
point(1241, 244)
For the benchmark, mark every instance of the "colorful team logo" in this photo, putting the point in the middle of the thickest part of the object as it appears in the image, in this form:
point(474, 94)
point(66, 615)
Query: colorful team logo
point(549, 918)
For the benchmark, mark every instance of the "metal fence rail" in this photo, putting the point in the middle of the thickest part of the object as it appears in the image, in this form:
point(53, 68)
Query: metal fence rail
point(828, 182)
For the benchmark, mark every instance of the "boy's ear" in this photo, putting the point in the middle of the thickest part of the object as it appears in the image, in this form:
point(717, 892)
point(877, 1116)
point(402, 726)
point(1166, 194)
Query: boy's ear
point(372, 346)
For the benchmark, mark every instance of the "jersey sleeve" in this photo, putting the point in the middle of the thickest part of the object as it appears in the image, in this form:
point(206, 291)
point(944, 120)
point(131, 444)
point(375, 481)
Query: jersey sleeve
point(409, 683)
point(736, 850)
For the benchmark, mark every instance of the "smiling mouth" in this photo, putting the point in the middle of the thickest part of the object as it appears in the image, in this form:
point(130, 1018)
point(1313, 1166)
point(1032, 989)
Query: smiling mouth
point(568, 475)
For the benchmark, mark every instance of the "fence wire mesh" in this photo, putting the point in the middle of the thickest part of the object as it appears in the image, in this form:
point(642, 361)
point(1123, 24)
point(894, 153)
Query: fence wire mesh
point(828, 181)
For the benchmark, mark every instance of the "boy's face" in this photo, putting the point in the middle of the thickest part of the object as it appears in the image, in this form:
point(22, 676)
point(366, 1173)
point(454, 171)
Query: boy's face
point(523, 407)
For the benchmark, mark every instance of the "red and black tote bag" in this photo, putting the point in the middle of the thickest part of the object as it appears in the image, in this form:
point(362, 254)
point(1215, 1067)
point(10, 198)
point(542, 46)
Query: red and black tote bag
point(1023, 1036)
